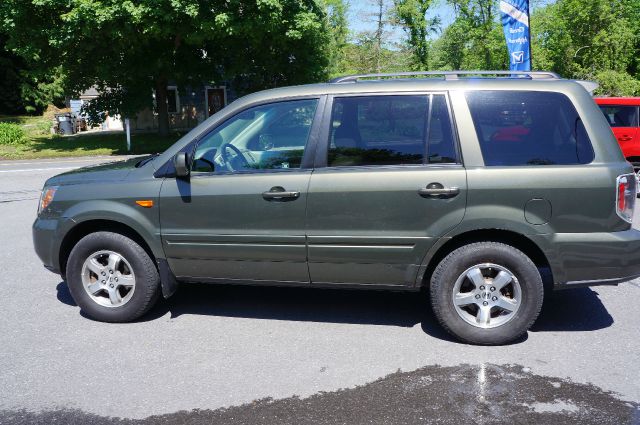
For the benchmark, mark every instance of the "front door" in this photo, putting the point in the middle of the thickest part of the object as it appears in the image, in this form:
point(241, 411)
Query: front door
point(392, 185)
point(215, 100)
point(240, 216)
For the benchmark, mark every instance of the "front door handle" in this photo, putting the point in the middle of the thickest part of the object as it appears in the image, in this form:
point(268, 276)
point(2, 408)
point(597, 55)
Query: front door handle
point(278, 193)
point(624, 138)
point(437, 190)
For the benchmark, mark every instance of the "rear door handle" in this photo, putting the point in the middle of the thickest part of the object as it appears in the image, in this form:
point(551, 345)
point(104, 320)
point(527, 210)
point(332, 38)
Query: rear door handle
point(437, 190)
point(625, 138)
point(278, 193)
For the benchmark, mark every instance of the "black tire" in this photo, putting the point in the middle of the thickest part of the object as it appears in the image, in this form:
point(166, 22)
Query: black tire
point(147, 280)
point(457, 262)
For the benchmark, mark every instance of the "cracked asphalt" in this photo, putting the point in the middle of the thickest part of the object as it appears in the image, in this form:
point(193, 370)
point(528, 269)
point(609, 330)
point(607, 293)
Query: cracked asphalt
point(239, 355)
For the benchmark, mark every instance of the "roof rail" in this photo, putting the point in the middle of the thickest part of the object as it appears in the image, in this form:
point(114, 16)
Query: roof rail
point(450, 75)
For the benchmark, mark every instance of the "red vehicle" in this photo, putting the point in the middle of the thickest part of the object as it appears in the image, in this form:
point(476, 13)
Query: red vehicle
point(622, 115)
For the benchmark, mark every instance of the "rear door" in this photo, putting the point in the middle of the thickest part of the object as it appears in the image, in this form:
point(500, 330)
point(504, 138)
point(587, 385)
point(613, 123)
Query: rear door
point(388, 183)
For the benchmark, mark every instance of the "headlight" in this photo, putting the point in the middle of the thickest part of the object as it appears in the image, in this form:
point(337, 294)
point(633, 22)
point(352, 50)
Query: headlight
point(47, 197)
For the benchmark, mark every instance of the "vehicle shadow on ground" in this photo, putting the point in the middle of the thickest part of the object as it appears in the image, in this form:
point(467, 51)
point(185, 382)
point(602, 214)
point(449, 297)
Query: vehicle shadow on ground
point(577, 309)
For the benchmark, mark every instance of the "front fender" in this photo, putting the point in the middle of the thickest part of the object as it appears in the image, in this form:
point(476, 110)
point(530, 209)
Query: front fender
point(143, 221)
point(109, 202)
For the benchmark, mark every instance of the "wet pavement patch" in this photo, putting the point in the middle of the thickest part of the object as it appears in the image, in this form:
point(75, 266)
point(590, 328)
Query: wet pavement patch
point(485, 394)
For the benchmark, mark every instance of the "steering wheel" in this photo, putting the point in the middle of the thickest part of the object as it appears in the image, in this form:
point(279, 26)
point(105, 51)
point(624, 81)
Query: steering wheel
point(227, 160)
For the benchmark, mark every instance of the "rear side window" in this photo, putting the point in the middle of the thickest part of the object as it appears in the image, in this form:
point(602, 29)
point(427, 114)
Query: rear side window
point(441, 146)
point(620, 116)
point(528, 128)
point(390, 130)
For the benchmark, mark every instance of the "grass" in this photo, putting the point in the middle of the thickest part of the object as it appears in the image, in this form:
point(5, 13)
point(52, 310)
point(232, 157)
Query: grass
point(41, 144)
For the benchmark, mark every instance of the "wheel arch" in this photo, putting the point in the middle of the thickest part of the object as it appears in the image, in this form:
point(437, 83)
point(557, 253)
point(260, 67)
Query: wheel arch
point(87, 227)
point(507, 237)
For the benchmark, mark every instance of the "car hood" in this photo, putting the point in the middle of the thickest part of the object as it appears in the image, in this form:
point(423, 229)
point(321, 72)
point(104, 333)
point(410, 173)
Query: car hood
point(109, 172)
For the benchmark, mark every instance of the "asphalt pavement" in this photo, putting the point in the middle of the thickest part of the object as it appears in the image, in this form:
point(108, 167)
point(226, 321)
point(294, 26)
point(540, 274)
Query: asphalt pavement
point(227, 354)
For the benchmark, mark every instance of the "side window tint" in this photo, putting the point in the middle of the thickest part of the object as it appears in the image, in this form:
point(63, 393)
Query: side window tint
point(583, 145)
point(270, 136)
point(528, 128)
point(378, 130)
point(620, 116)
point(441, 146)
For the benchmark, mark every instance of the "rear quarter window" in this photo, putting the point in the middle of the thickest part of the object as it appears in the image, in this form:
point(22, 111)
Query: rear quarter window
point(528, 128)
point(620, 116)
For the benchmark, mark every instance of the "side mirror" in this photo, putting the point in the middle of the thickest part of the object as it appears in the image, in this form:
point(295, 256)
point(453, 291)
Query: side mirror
point(181, 164)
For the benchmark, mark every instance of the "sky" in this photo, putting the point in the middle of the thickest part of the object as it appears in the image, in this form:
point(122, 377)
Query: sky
point(361, 19)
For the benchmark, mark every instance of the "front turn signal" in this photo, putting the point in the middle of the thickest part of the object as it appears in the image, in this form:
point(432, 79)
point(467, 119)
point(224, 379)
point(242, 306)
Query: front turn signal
point(145, 203)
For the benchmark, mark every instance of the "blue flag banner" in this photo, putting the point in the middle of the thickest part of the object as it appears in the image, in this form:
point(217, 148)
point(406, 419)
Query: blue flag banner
point(515, 23)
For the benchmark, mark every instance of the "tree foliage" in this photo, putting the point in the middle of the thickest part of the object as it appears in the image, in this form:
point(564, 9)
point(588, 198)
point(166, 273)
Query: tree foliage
point(129, 48)
point(587, 39)
point(474, 40)
point(336, 11)
point(412, 15)
point(23, 89)
point(362, 56)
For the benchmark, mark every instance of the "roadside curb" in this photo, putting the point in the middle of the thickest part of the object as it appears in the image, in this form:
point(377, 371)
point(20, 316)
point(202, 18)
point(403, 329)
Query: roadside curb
point(68, 159)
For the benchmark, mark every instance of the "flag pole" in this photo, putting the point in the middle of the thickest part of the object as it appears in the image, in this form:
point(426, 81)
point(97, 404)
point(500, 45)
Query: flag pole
point(530, 37)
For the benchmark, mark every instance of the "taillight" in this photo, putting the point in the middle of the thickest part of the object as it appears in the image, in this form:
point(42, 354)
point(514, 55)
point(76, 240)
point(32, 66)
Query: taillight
point(626, 196)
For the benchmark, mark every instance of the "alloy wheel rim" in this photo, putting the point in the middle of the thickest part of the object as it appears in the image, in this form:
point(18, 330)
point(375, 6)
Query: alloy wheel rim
point(487, 295)
point(108, 278)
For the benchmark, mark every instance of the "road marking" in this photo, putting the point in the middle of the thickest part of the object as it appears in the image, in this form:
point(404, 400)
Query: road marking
point(94, 160)
point(11, 163)
point(37, 169)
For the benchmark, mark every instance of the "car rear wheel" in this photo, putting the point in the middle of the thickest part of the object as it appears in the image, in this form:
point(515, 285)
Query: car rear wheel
point(111, 277)
point(486, 293)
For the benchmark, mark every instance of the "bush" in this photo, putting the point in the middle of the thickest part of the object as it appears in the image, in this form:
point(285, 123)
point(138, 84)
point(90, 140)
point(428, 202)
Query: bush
point(11, 134)
point(614, 83)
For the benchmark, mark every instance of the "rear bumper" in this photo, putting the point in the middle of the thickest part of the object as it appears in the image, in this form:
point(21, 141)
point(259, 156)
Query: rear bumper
point(589, 259)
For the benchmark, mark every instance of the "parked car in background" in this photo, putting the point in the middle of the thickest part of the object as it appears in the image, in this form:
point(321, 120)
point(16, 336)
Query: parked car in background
point(471, 188)
point(622, 114)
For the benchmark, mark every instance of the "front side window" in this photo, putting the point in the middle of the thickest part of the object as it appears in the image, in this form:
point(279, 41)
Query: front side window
point(264, 137)
point(528, 128)
point(620, 116)
point(390, 130)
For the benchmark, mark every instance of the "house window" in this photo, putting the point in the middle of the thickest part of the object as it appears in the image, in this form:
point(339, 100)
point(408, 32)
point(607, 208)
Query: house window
point(215, 98)
point(173, 100)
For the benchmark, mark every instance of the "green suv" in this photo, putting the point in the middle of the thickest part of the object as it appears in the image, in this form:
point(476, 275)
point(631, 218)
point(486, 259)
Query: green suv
point(485, 189)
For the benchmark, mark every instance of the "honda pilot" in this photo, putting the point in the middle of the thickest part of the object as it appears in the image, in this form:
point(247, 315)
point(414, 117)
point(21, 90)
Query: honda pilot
point(484, 189)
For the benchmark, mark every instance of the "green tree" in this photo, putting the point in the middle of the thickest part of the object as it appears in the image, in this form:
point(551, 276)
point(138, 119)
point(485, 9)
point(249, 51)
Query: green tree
point(477, 21)
point(595, 40)
point(361, 57)
point(127, 49)
point(10, 81)
point(615, 83)
point(23, 89)
point(336, 11)
point(412, 16)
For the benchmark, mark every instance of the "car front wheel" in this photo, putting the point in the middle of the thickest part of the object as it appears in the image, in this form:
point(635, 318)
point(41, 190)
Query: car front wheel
point(111, 277)
point(486, 293)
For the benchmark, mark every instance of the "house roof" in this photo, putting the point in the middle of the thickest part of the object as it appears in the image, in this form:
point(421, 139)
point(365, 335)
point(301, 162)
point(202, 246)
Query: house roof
point(91, 93)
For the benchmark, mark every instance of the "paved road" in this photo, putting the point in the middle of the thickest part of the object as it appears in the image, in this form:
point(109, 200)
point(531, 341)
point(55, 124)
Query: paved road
point(324, 356)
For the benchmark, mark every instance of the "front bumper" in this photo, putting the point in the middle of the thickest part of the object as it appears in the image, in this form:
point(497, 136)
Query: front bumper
point(47, 242)
point(588, 259)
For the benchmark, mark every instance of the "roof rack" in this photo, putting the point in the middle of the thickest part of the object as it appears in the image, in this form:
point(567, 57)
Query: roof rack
point(451, 75)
